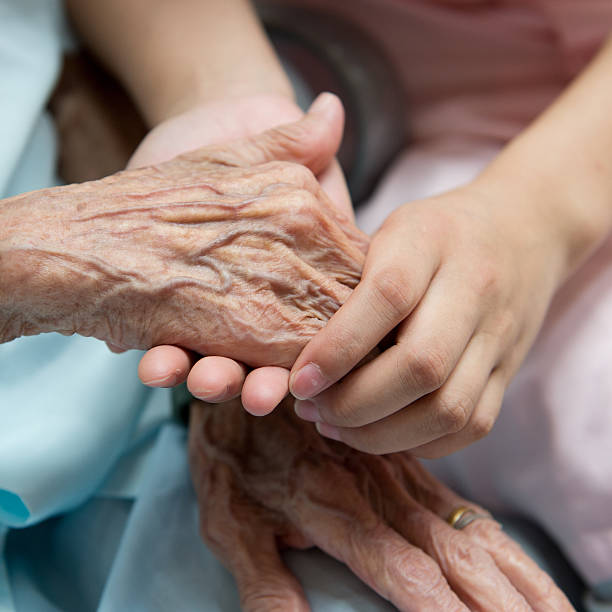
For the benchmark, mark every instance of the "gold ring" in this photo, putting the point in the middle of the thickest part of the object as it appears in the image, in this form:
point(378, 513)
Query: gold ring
point(462, 516)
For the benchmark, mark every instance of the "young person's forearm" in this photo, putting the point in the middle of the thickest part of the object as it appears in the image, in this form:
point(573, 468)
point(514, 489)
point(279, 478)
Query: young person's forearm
point(563, 161)
point(172, 54)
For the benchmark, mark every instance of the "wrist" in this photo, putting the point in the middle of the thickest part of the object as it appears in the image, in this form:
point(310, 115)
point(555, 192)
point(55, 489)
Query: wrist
point(214, 122)
point(565, 209)
point(45, 282)
point(561, 163)
point(19, 271)
point(192, 92)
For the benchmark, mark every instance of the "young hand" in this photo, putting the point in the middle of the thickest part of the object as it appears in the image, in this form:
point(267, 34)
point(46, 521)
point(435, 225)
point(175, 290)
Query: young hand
point(455, 288)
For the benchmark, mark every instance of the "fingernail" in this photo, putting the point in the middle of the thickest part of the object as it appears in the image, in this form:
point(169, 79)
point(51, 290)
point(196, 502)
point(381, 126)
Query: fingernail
point(307, 410)
point(307, 382)
point(207, 395)
point(329, 431)
point(322, 103)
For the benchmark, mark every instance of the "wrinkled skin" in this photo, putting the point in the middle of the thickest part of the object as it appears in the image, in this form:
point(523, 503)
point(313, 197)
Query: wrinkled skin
point(263, 484)
point(213, 251)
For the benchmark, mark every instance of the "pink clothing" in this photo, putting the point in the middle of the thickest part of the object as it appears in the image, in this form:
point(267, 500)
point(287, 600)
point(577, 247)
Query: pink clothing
point(478, 68)
point(475, 72)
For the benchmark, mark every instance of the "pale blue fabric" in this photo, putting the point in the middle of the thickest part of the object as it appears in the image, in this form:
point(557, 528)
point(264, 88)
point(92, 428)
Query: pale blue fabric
point(69, 408)
point(30, 51)
point(146, 554)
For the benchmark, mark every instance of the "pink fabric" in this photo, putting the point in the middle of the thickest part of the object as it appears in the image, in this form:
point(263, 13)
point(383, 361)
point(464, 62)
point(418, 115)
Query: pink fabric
point(475, 72)
point(478, 68)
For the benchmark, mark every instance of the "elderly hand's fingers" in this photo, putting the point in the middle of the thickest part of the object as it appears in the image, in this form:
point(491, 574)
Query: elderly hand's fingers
point(535, 585)
point(113, 348)
point(165, 366)
point(216, 379)
point(332, 513)
point(432, 416)
point(264, 582)
point(469, 569)
point(241, 532)
point(264, 388)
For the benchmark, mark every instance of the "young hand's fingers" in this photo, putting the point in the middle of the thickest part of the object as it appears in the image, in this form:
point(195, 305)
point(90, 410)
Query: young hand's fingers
point(430, 417)
point(479, 423)
point(338, 519)
point(216, 379)
point(165, 366)
point(429, 345)
point(264, 388)
point(469, 569)
point(392, 285)
point(535, 585)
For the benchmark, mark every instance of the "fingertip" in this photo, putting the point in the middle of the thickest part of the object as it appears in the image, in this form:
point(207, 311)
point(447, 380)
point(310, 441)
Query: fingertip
point(264, 389)
point(327, 104)
point(216, 379)
point(164, 366)
point(113, 348)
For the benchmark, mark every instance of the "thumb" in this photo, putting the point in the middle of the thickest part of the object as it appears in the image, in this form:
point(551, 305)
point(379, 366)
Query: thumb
point(312, 141)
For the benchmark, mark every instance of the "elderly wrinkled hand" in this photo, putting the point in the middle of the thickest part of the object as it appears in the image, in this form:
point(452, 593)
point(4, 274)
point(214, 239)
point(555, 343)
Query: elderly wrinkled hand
point(219, 251)
point(266, 484)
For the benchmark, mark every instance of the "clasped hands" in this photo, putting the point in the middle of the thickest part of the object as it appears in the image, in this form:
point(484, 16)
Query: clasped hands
point(258, 259)
point(266, 484)
point(453, 289)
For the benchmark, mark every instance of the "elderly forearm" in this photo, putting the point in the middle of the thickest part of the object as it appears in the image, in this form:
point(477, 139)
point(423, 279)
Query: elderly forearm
point(562, 166)
point(172, 54)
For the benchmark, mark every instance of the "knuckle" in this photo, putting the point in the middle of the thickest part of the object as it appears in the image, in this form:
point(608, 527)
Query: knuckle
point(301, 212)
point(344, 350)
point(308, 206)
point(341, 412)
point(269, 599)
point(425, 370)
point(468, 559)
point(453, 412)
point(419, 572)
point(300, 175)
point(481, 425)
point(507, 326)
point(487, 280)
point(305, 207)
point(392, 293)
